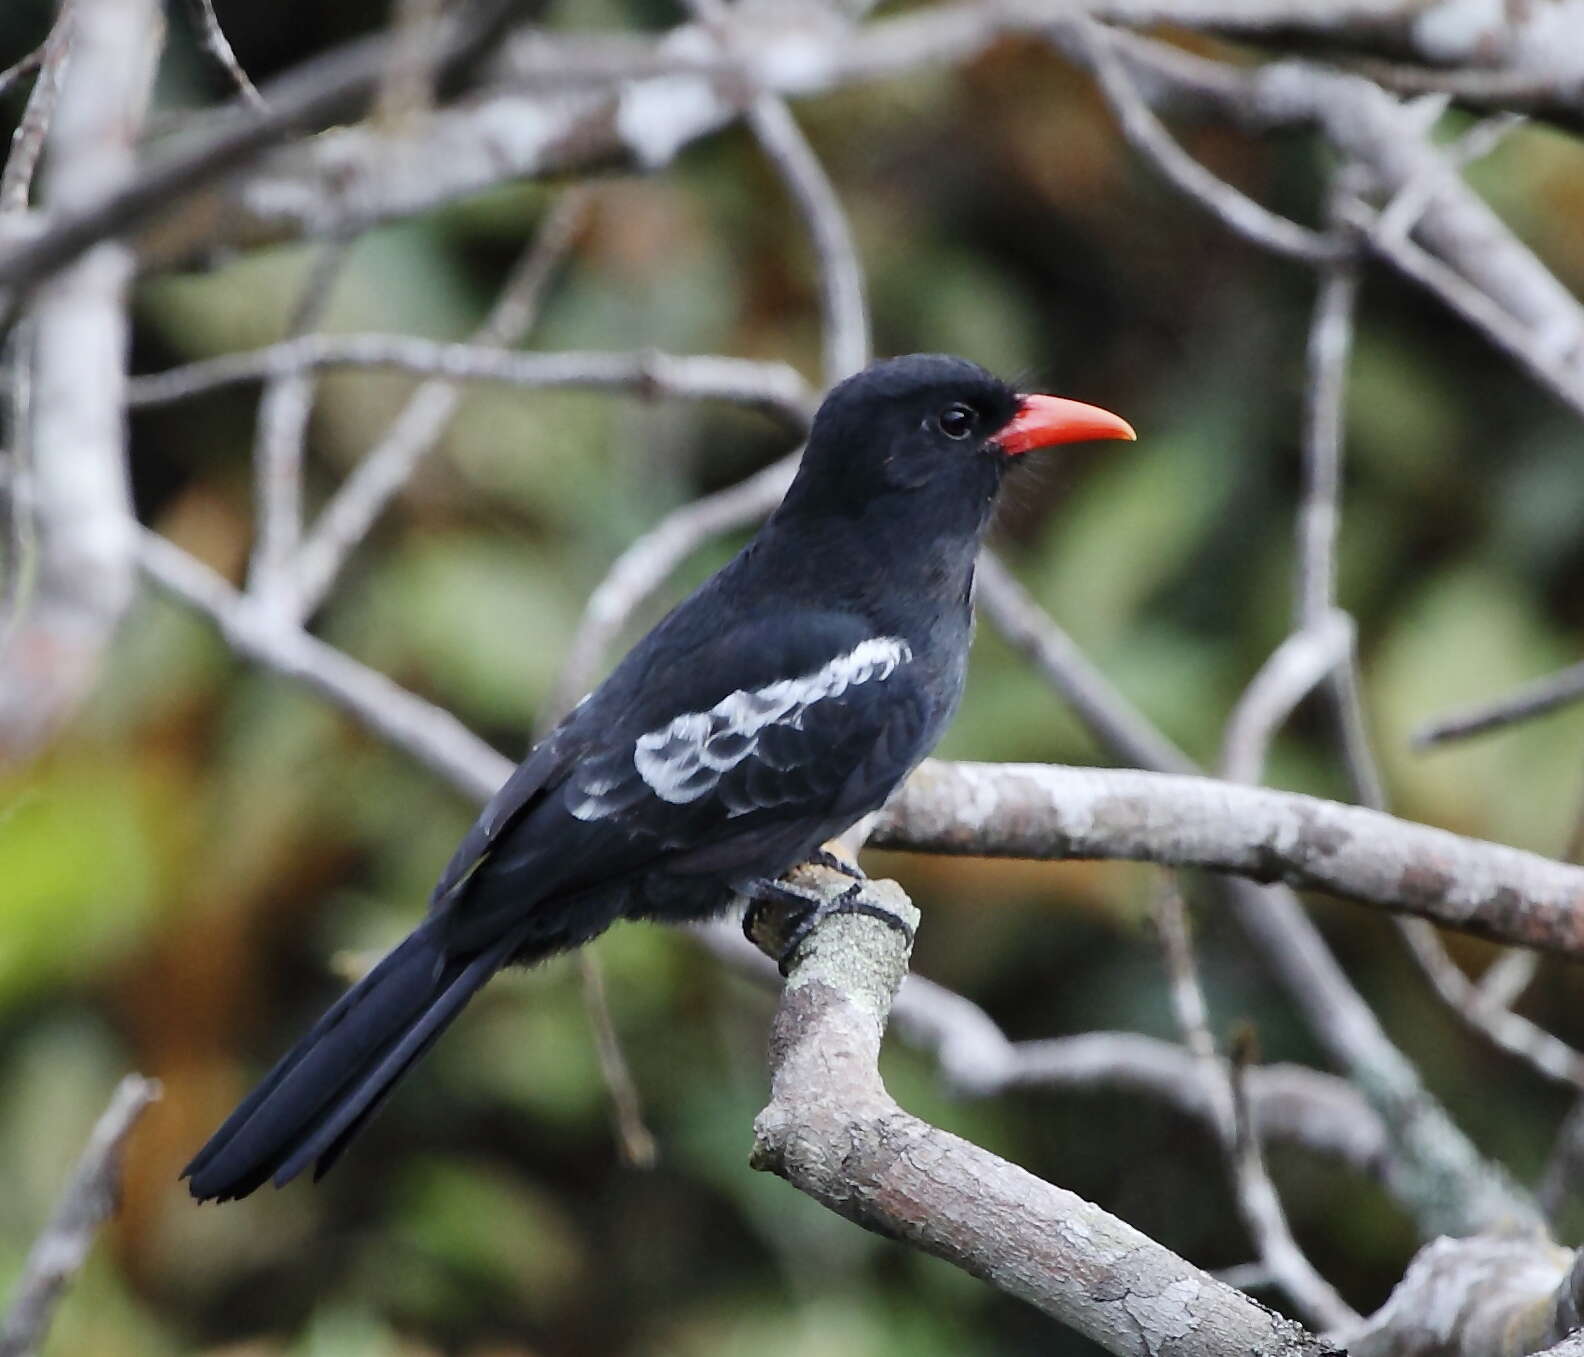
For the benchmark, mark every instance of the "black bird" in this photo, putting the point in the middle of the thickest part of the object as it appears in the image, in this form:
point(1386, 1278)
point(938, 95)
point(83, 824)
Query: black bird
point(777, 705)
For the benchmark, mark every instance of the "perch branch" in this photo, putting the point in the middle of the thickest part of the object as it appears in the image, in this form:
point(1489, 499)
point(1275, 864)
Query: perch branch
point(1054, 812)
point(832, 1131)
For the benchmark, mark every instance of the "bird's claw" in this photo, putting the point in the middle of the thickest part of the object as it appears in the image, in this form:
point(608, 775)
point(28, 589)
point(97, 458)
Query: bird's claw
point(809, 912)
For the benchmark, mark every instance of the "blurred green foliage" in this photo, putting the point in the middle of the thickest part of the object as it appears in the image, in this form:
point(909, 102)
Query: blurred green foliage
point(182, 871)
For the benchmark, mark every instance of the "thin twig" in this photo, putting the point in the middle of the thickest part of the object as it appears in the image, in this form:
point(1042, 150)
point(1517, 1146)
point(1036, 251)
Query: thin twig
point(644, 567)
point(430, 733)
point(1557, 366)
point(406, 90)
point(352, 511)
point(1326, 356)
point(1235, 210)
point(1256, 1196)
point(772, 387)
point(636, 1141)
point(27, 141)
point(19, 70)
point(1539, 697)
point(212, 38)
point(278, 446)
point(1029, 629)
point(1508, 1031)
point(89, 1200)
point(842, 305)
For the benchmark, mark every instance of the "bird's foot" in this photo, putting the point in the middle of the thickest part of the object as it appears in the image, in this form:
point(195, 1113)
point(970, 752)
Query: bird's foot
point(823, 857)
point(799, 910)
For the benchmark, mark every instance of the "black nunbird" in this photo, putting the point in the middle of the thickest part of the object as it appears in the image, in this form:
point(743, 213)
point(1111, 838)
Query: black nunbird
point(776, 706)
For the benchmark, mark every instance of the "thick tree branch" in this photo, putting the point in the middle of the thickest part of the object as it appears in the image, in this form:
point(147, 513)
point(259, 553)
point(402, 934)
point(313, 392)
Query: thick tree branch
point(1054, 812)
point(81, 506)
point(833, 1131)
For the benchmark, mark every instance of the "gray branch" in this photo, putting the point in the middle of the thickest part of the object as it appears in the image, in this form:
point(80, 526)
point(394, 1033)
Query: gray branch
point(833, 1132)
point(1054, 812)
point(88, 1201)
point(81, 510)
point(773, 387)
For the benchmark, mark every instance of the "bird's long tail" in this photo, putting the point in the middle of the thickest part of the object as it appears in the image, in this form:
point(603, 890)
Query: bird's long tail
point(322, 1091)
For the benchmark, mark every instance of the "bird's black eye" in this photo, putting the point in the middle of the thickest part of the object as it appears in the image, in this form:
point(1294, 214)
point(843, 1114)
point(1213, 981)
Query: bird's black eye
point(957, 421)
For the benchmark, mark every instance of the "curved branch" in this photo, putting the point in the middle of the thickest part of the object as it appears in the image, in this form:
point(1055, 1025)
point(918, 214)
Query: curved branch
point(833, 1132)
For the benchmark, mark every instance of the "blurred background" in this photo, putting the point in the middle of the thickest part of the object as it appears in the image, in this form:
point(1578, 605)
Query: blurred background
point(183, 873)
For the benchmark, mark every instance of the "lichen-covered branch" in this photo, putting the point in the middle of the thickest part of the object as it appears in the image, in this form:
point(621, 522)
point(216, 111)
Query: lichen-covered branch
point(1049, 811)
point(832, 1131)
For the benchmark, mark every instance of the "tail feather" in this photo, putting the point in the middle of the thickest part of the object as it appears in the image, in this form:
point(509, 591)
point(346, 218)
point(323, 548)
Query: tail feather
point(336, 1077)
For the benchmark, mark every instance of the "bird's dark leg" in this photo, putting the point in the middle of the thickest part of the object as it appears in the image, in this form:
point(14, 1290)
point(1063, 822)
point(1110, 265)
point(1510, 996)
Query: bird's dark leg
point(808, 909)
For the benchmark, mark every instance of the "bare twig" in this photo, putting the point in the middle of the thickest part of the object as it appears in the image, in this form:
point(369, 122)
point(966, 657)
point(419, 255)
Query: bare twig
point(1235, 210)
point(1537, 698)
point(1549, 357)
point(212, 38)
point(632, 1135)
point(1319, 513)
point(773, 387)
point(278, 447)
point(406, 90)
point(429, 733)
point(843, 309)
point(645, 566)
point(27, 141)
point(833, 1131)
point(846, 317)
point(319, 91)
point(1028, 628)
point(353, 509)
point(1508, 1031)
point(1257, 1200)
point(89, 1200)
point(1290, 674)
point(21, 69)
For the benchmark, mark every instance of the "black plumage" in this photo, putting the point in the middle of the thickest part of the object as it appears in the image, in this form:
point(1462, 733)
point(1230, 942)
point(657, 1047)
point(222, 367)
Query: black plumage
point(777, 705)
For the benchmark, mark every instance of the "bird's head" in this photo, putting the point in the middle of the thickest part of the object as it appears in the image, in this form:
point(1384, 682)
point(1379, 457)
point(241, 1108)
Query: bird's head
point(935, 424)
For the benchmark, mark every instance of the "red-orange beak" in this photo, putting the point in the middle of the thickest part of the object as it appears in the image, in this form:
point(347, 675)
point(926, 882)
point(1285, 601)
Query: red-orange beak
point(1043, 421)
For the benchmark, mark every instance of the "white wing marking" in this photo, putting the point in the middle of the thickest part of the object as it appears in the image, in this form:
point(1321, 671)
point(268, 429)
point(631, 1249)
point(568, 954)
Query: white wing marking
point(685, 758)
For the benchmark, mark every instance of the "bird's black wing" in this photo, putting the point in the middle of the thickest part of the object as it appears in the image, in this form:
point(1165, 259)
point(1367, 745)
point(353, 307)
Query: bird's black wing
point(750, 747)
point(770, 759)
